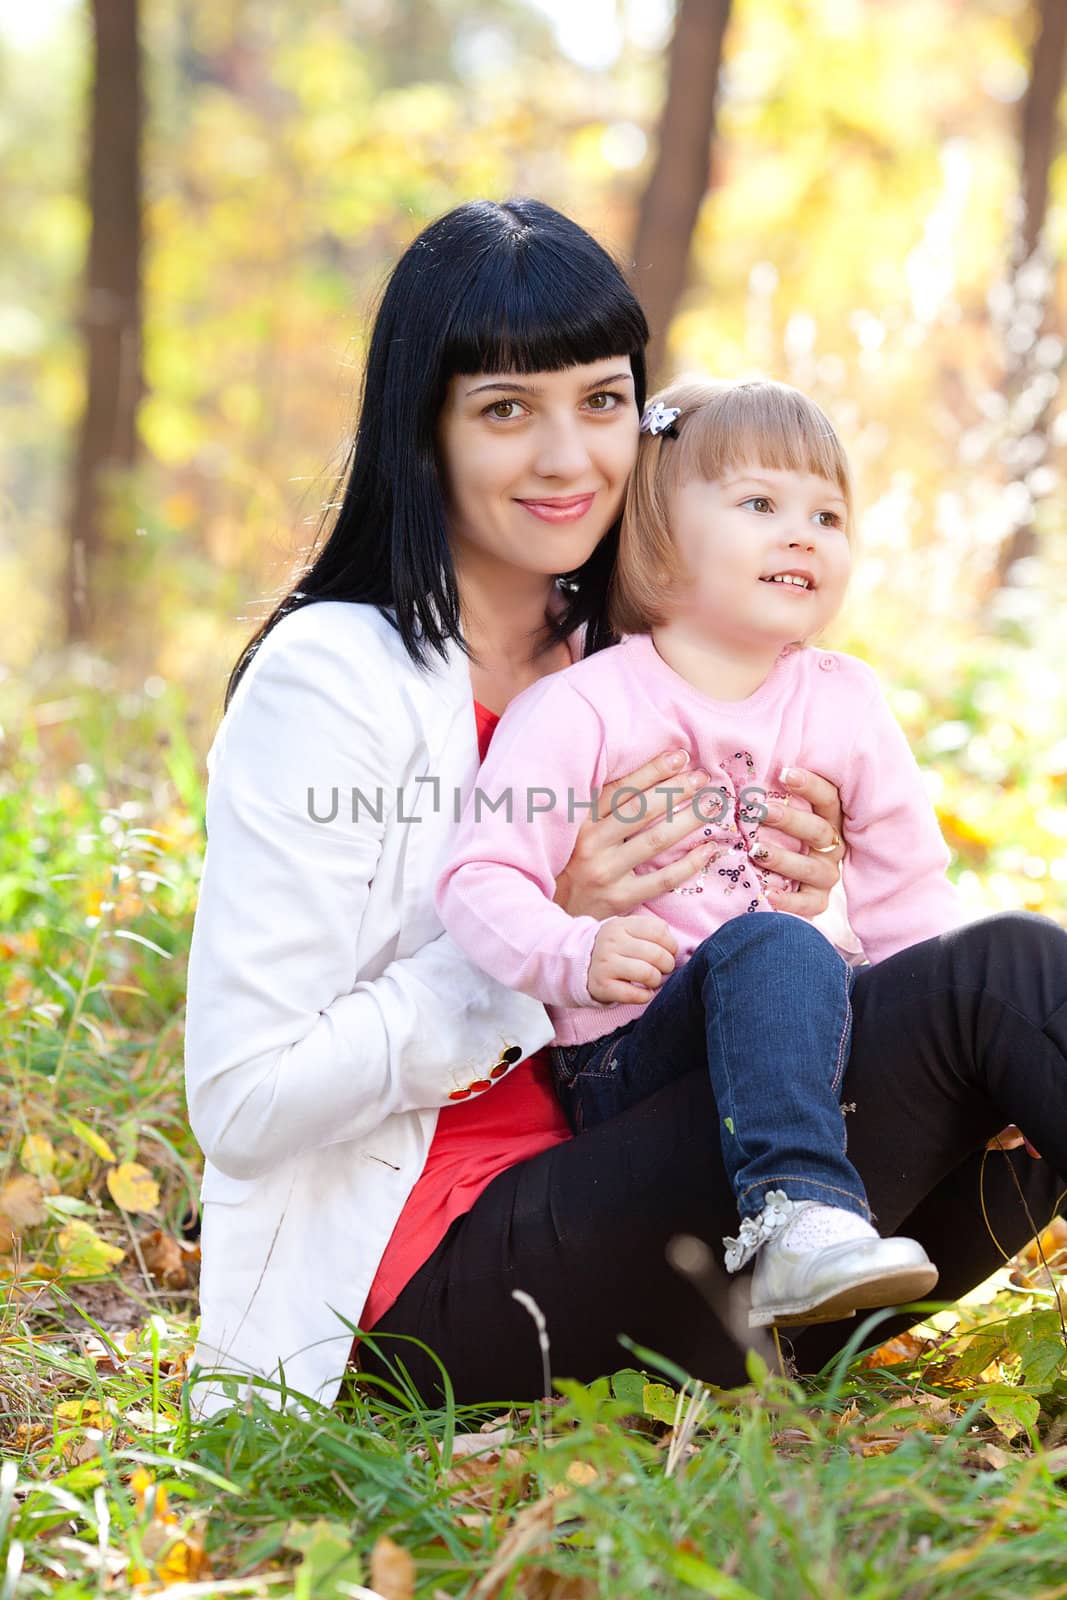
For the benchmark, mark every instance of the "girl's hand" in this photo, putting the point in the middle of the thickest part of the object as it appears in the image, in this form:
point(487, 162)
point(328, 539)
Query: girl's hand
point(631, 956)
point(816, 873)
point(599, 879)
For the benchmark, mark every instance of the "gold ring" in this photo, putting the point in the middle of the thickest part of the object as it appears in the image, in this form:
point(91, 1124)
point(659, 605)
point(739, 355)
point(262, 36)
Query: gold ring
point(827, 849)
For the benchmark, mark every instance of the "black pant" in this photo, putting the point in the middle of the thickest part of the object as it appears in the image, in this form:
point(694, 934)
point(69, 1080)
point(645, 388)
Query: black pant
point(951, 1040)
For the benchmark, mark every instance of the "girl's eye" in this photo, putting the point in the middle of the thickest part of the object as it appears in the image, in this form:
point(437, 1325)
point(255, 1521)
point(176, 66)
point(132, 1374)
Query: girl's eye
point(604, 400)
point(828, 519)
point(503, 410)
point(758, 502)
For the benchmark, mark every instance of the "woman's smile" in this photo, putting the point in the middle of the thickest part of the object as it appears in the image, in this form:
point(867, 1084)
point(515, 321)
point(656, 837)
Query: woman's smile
point(568, 508)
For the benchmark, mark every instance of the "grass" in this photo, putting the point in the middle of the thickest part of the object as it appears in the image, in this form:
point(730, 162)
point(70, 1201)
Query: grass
point(939, 1475)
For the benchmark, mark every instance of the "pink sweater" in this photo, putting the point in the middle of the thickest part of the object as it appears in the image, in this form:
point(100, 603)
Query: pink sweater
point(570, 733)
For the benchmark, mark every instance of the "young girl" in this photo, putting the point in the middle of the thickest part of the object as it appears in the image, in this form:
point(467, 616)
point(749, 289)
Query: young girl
point(734, 551)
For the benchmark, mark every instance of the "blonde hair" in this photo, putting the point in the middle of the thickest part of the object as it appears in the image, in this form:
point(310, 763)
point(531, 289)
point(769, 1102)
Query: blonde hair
point(722, 426)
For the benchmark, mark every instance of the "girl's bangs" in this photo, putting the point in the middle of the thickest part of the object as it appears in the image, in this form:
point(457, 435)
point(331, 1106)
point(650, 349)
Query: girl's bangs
point(766, 426)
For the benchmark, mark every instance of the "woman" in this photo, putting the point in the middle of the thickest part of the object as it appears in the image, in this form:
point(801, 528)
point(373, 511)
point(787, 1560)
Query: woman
point(382, 1146)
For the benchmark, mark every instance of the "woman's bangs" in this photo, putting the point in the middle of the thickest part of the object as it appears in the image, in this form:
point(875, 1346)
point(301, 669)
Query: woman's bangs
point(540, 321)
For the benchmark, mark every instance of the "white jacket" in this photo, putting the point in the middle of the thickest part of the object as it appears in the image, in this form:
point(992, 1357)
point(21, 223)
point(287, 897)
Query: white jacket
point(329, 1016)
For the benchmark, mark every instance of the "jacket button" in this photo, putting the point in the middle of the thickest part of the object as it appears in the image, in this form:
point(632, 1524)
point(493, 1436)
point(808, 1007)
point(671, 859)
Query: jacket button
point(459, 1094)
point(499, 1070)
point(480, 1086)
point(827, 663)
point(512, 1054)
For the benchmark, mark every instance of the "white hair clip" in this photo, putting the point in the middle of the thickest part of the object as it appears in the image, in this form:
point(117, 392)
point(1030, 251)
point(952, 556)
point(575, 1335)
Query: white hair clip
point(659, 418)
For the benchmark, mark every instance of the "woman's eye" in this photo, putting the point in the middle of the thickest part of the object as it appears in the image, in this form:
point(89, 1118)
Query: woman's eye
point(503, 410)
point(604, 400)
point(758, 502)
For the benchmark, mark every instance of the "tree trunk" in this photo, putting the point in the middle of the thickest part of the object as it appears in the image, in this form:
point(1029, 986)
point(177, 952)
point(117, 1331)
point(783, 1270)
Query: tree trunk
point(1040, 123)
point(111, 308)
point(680, 175)
point(1039, 138)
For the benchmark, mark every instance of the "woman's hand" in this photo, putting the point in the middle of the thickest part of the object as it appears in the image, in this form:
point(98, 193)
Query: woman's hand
point(599, 879)
point(816, 872)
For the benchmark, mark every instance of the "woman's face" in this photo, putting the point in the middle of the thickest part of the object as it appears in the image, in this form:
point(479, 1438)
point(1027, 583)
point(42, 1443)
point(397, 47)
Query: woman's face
point(535, 464)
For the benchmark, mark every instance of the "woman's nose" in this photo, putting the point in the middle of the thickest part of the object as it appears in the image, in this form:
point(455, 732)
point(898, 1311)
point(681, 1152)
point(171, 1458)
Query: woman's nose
point(562, 451)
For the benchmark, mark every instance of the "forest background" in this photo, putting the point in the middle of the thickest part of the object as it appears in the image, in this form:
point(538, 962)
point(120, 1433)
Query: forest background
point(863, 197)
point(867, 198)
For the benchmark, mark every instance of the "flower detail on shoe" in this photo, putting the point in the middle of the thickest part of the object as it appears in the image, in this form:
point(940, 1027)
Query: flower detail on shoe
point(755, 1231)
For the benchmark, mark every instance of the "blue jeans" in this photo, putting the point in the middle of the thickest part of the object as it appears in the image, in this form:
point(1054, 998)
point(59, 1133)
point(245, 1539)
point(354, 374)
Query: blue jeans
point(764, 1006)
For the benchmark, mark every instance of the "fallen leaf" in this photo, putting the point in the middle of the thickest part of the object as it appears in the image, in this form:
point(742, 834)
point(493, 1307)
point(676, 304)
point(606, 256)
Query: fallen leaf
point(849, 1415)
point(532, 1527)
point(38, 1155)
point(165, 1260)
point(906, 1346)
point(392, 1570)
point(132, 1187)
point(80, 1413)
point(483, 1482)
point(177, 1555)
point(83, 1254)
point(96, 1141)
point(21, 1207)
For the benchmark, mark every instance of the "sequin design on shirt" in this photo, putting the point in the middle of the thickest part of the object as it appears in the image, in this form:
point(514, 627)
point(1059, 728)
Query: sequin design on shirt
point(736, 831)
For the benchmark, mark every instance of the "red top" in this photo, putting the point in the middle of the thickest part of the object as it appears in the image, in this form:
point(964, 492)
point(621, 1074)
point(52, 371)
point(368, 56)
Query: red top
point(473, 1142)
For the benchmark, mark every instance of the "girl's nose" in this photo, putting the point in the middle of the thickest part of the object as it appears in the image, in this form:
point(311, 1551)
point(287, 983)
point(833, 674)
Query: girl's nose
point(805, 543)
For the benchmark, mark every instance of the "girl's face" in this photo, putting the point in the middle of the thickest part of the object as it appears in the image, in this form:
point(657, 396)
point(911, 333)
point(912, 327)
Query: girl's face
point(767, 554)
point(535, 465)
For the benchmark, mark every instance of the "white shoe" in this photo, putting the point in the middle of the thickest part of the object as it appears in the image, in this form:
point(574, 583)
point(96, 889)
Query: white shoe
point(794, 1283)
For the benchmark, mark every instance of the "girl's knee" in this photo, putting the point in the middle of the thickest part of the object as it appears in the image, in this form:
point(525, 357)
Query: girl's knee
point(774, 935)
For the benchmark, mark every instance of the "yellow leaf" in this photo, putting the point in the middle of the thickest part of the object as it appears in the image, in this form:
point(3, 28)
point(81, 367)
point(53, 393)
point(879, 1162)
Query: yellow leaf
point(37, 1155)
point(392, 1571)
point(82, 1252)
point(96, 1141)
point(133, 1187)
point(83, 1413)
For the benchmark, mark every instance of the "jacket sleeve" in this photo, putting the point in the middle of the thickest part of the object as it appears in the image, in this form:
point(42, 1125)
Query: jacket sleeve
point(287, 1049)
point(516, 836)
point(895, 867)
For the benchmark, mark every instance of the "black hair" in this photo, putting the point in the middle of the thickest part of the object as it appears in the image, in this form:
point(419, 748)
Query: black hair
point(485, 288)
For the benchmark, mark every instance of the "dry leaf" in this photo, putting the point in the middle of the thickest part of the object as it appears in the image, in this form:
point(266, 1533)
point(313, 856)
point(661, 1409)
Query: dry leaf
point(133, 1187)
point(849, 1415)
point(20, 1208)
point(482, 1481)
point(165, 1259)
point(905, 1347)
point(541, 1583)
point(579, 1474)
point(392, 1571)
point(533, 1526)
